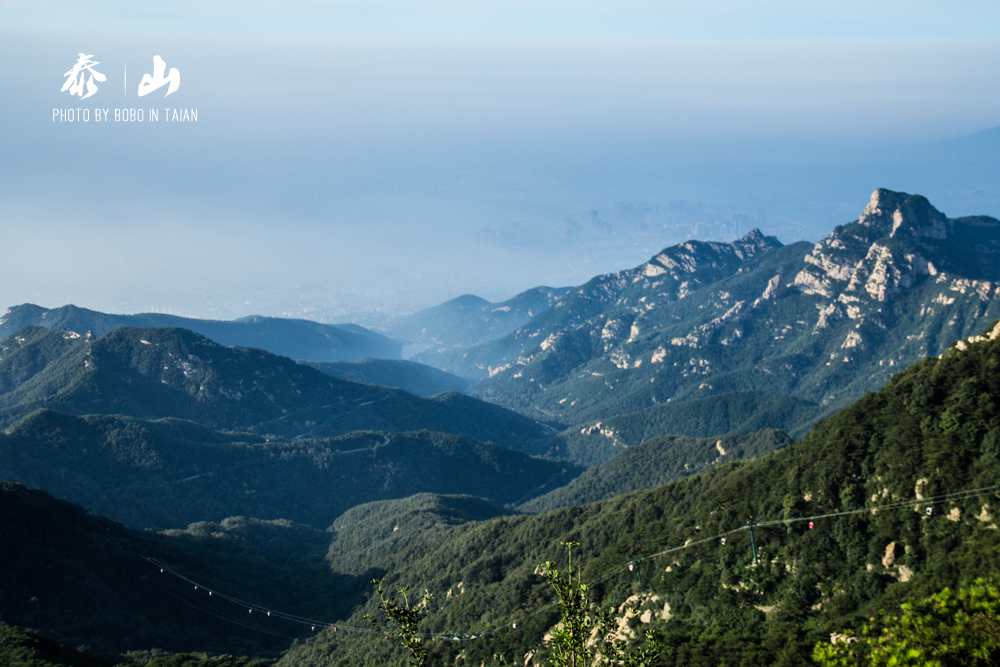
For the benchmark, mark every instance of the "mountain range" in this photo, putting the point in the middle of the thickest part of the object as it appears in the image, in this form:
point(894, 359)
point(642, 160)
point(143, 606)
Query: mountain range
point(822, 323)
point(298, 339)
point(161, 372)
point(746, 563)
point(469, 320)
point(735, 543)
point(890, 499)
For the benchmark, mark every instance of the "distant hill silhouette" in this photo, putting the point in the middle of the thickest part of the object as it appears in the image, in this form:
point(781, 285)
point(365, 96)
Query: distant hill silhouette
point(298, 339)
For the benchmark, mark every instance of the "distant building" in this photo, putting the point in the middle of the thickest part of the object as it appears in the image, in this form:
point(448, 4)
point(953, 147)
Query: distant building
point(574, 232)
point(740, 221)
point(622, 211)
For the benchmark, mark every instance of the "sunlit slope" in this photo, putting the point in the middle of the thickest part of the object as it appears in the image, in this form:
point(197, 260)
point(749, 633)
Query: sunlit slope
point(895, 496)
point(743, 413)
point(823, 323)
point(656, 462)
point(669, 277)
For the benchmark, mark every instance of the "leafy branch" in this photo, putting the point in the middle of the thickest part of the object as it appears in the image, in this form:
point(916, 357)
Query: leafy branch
point(582, 641)
point(401, 619)
point(948, 628)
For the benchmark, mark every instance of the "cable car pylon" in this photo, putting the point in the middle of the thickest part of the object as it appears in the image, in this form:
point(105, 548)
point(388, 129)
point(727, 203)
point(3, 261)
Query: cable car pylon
point(753, 542)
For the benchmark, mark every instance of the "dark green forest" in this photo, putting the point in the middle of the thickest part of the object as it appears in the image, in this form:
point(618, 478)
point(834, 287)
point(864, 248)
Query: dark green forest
point(900, 489)
point(591, 443)
point(891, 500)
point(655, 462)
point(725, 435)
point(169, 473)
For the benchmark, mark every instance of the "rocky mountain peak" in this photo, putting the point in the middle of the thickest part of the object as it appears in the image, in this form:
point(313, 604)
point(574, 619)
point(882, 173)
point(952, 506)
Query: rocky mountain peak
point(753, 242)
point(898, 214)
point(860, 260)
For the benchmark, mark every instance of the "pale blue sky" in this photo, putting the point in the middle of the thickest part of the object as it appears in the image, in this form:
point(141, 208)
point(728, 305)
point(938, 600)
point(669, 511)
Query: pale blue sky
point(352, 148)
point(586, 19)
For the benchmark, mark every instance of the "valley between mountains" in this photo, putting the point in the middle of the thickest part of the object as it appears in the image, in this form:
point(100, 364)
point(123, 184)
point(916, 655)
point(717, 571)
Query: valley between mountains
point(755, 446)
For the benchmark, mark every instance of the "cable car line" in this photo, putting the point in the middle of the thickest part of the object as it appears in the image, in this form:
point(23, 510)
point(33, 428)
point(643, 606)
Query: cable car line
point(628, 566)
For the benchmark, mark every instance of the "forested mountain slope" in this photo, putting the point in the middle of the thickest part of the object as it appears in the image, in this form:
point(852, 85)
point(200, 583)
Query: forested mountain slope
point(171, 473)
point(160, 373)
point(88, 580)
point(742, 413)
point(411, 376)
point(669, 277)
point(892, 498)
point(895, 497)
point(656, 462)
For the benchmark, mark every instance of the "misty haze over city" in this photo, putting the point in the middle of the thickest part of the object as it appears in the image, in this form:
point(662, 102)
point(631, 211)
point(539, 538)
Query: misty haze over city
point(352, 164)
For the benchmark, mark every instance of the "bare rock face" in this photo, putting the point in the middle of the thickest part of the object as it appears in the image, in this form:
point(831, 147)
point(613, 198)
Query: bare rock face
point(775, 289)
point(892, 552)
point(897, 214)
point(861, 260)
point(884, 273)
point(751, 244)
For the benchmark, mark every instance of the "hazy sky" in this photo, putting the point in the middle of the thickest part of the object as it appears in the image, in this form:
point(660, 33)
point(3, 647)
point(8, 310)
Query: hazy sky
point(352, 155)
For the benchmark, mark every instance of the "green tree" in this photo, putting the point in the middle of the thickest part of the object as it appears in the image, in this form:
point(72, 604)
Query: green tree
point(944, 630)
point(582, 640)
point(401, 619)
point(584, 637)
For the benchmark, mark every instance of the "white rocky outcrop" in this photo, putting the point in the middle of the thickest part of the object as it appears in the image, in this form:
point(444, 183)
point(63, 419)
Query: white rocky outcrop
point(897, 214)
point(993, 334)
point(776, 287)
point(828, 314)
point(811, 283)
point(853, 340)
point(858, 265)
point(703, 334)
point(881, 274)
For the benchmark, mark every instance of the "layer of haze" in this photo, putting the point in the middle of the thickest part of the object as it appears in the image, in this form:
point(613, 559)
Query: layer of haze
point(355, 161)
